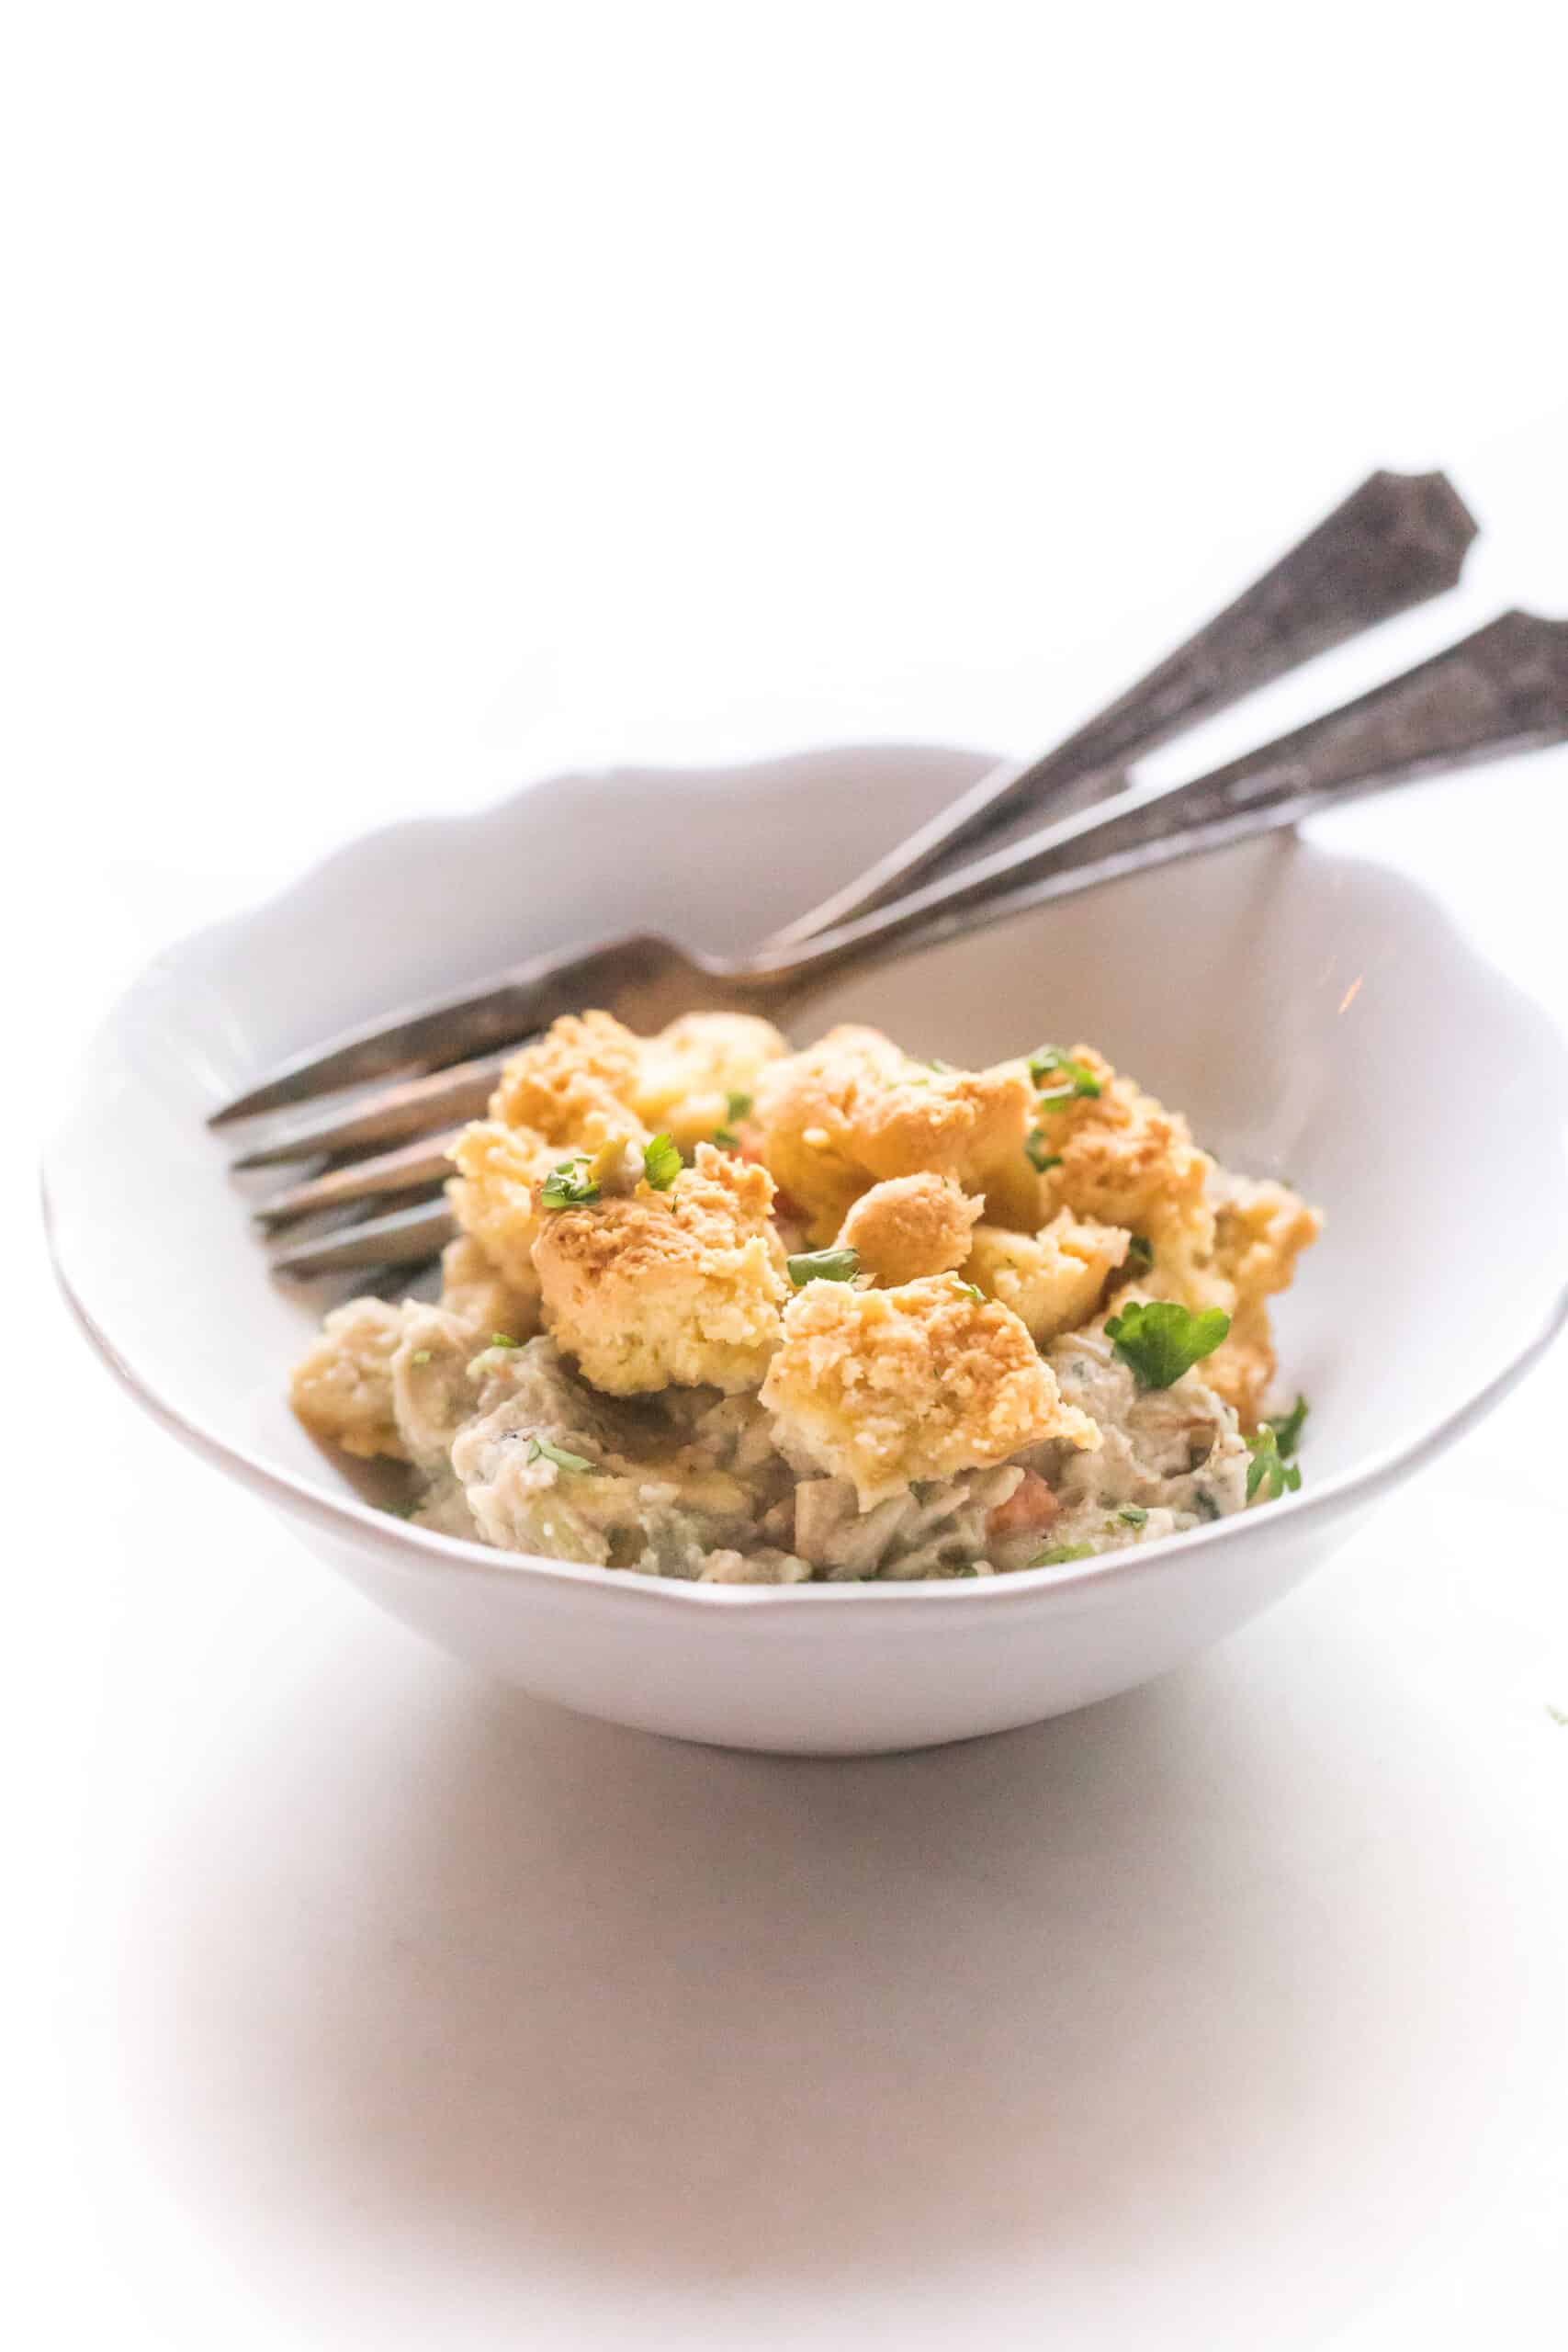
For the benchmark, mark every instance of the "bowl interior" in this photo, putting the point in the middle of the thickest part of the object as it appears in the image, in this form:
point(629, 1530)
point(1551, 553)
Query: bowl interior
point(1317, 1014)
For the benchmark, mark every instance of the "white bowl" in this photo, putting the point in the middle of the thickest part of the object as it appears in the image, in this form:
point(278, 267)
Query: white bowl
point(1424, 1108)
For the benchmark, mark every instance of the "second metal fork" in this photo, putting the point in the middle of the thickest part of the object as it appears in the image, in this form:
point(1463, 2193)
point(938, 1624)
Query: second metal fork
point(1504, 689)
point(1397, 541)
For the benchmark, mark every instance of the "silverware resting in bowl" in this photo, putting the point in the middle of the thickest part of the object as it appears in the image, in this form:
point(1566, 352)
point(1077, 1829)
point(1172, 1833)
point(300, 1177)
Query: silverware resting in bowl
point(1396, 542)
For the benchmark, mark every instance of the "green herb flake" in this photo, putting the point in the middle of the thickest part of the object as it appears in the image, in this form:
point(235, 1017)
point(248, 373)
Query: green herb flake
point(1160, 1341)
point(727, 1139)
point(973, 1290)
point(501, 1340)
point(1054, 1555)
point(1558, 1714)
point(1207, 1507)
point(1140, 1251)
point(1133, 1516)
point(736, 1107)
point(1266, 1474)
point(541, 1449)
point(823, 1266)
point(569, 1185)
point(1035, 1151)
point(1075, 1080)
point(420, 1355)
point(660, 1162)
point(941, 1069)
point(1287, 1427)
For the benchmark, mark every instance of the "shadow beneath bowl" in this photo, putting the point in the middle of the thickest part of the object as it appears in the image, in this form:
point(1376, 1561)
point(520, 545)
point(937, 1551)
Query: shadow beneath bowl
point(1108, 1993)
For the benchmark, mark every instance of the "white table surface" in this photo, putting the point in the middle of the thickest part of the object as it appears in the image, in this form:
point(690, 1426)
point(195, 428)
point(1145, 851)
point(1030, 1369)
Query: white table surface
point(425, 406)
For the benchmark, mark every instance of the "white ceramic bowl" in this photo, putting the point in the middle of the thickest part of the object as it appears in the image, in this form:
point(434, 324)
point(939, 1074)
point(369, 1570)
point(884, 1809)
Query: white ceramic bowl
point(1225, 985)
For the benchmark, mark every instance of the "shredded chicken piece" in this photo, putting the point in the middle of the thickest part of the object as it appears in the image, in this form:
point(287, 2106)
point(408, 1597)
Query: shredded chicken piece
point(481, 1298)
point(341, 1387)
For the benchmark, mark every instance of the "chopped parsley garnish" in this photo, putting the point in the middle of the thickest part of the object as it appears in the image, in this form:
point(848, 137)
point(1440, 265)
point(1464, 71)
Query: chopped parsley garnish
point(973, 1290)
point(936, 1063)
point(420, 1355)
point(727, 1139)
point(736, 1107)
point(1140, 1251)
point(1265, 1473)
point(497, 1339)
point(1133, 1515)
point(1161, 1341)
point(1054, 1554)
point(660, 1162)
point(1035, 1151)
point(1287, 1427)
point(476, 1364)
point(541, 1449)
point(823, 1266)
point(1073, 1079)
point(569, 1186)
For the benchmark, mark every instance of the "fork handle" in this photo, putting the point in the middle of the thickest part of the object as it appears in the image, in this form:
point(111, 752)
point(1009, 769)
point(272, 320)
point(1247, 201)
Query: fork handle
point(1395, 541)
point(1504, 689)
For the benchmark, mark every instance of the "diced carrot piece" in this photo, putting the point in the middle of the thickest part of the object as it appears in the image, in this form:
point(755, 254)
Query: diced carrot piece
point(1031, 1507)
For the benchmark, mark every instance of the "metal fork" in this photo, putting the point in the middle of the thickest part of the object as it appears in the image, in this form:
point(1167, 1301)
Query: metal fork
point(1397, 541)
point(1393, 543)
point(1504, 689)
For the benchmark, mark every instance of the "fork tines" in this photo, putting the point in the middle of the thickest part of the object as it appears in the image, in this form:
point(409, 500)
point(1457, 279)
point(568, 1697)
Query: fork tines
point(443, 1099)
point(410, 1238)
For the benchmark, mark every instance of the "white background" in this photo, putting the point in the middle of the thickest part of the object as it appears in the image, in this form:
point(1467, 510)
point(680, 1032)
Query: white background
point(403, 402)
